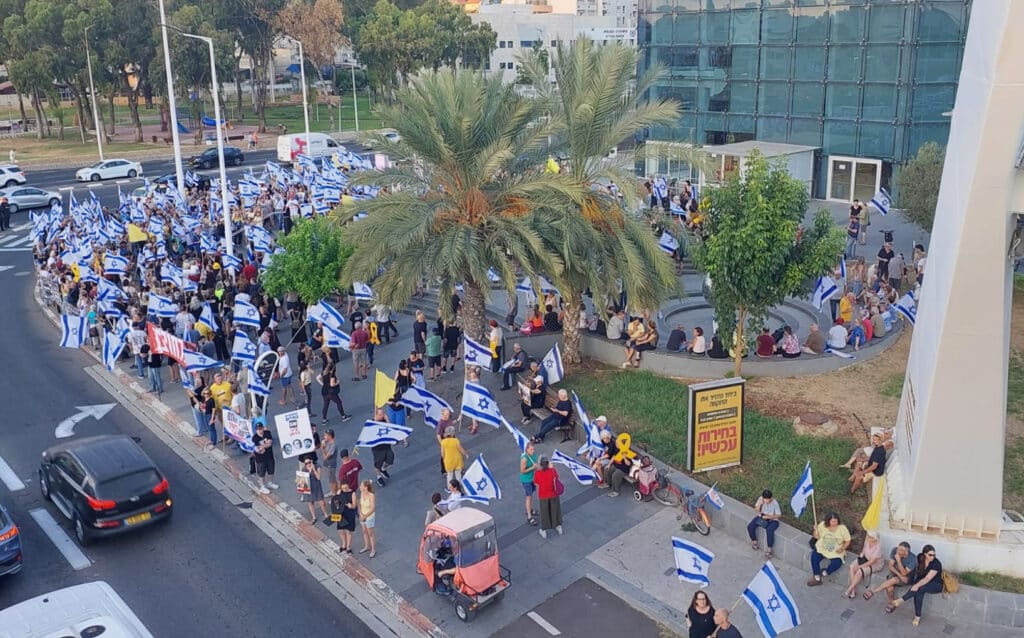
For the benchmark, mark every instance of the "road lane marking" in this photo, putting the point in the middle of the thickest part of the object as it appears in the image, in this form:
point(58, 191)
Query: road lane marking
point(122, 181)
point(67, 547)
point(545, 625)
point(22, 273)
point(9, 477)
point(66, 188)
point(9, 238)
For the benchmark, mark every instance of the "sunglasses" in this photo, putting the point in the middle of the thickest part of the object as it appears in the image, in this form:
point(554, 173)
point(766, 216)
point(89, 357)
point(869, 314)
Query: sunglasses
point(932, 554)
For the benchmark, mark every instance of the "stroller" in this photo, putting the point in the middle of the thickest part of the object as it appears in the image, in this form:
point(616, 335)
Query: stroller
point(647, 479)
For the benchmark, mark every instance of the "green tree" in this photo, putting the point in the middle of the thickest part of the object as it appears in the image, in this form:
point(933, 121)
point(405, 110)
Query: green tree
point(599, 243)
point(918, 182)
point(755, 249)
point(314, 254)
point(461, 203)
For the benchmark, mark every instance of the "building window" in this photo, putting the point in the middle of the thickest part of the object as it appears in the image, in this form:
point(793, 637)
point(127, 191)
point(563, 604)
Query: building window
point(719, 57)
point(510, 44)
point(501, 65)
point(554, 43)
point(501, 44)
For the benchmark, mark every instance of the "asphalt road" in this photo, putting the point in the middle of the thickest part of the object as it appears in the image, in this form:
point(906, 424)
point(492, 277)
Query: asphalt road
point(206, 571)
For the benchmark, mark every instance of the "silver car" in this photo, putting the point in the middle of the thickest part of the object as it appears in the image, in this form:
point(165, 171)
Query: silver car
point(26, 197)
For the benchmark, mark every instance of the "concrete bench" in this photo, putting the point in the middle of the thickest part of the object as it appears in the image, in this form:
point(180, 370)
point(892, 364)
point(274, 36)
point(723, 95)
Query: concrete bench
point(550, 401)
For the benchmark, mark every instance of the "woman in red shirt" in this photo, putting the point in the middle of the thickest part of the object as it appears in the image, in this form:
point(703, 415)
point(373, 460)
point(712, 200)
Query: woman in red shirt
point(546, 479)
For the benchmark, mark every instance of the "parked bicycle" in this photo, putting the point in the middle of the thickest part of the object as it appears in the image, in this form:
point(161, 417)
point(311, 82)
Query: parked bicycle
point(672, 495)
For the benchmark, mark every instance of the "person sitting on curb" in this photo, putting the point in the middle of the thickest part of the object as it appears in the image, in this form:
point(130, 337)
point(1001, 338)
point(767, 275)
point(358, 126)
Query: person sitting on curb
point(900, 566)
point(616, 471)
point(870, 469)
point(765, 345)
point(837, 335)
point(768, 514)
point(925, 579)
point(815, 342)
point(831, 540)
point(869, 561)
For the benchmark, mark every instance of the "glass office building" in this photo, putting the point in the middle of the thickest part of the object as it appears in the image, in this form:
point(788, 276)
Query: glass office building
point(866, 82)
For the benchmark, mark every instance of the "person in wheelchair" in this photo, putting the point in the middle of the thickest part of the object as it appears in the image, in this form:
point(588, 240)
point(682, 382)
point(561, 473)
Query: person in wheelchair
point(444, 567)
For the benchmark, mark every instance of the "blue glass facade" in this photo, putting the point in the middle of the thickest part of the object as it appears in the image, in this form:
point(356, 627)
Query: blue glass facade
point(857, 78)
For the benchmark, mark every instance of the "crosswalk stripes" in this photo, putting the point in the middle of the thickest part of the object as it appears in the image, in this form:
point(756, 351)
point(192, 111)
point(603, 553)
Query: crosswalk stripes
point(15, 243)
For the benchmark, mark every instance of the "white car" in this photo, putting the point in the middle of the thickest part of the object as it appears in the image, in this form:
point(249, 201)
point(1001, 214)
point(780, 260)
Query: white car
point(26, 197)
point(109, 169)
point(11, 175)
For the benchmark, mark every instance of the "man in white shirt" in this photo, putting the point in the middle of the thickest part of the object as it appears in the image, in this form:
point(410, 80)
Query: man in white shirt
point(837, 335)
point(616, 324)
point(284, 371)
point(382, 314)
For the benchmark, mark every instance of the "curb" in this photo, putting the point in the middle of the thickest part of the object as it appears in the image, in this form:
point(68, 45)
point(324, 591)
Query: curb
point(359, 575)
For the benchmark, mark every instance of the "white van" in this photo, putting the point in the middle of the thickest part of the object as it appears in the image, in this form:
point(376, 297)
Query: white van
point(320, 145)
point(89, 609)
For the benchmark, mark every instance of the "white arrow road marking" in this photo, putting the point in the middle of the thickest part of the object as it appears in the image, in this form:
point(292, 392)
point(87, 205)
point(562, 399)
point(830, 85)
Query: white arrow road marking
point(9, 477)
point(66, 427)
point(75, 557)
point(3, 268)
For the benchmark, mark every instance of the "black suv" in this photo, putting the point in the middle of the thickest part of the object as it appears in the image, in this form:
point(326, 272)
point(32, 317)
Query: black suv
point(160, 183)
point(104, 485)
point(208, 158)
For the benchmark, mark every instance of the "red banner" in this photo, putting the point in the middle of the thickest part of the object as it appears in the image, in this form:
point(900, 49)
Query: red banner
point(163, 342)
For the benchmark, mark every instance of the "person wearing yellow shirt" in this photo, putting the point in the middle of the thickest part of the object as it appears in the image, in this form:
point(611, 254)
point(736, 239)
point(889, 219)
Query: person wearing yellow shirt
point(846, 308)
point(831, 540)
point(220, 390)
point(453, 454)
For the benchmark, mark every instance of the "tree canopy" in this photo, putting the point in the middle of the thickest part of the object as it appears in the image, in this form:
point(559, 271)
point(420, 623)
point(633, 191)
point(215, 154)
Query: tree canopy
point(918, 182)
point(315, 253)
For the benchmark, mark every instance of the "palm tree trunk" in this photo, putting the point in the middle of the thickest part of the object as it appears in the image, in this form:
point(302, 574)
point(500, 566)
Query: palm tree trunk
point(474, 319)
point(571, 354)
point(40, 117)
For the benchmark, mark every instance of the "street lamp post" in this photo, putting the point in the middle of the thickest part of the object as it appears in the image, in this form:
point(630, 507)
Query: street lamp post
point(355, 99)
point(305, 102)
point(92, 90)
point(225, 208)
point(179, 172)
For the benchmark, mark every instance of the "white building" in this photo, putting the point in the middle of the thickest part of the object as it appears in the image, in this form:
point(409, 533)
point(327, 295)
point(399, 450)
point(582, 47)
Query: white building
point(522, 25)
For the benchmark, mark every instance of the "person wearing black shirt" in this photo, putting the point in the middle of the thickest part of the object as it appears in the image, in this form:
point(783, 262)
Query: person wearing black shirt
point(5, 214)
point(452, 336)
point(560, 415)
point(419, 333)
point(551, 322)
point(872, 468)
point(885, 253)
point(518, 364)
point(154, 362)
point(263, 442)
point(536, 398)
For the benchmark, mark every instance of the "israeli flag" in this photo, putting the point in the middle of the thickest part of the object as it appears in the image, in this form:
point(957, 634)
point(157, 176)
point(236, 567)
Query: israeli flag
point(380, 433)
point(206, 317)
point(73, 331)
point(243, 349)
point(114, 265)
point(907, 306)
point(256, 385)
point(109, 309)
point(155, 227)
point(479, 481)
point(362, 291)
point(773, 605)
point(326, 314)
point(803, 490)
point(583, 473)
point(468, 498)
point(161, 306)
point(692, 561)
point(246, 314)
point(108, 290)
point(882, 201)
point(337, 338)
point(660, 187)
point(493, 275)
point(232, 262)
point(668, 243)
point(842, 268)
point(546, 286)
point(196, 361)
point(552, 363)
point(593, 446)
point(521, 439)
point(112, 347)
point(480, 404)
point(207, 244)
point(524, 285)
point(171, 274)
point(477, 354)
point(86, 274)
point(715, 498)
point(427, 402)
point(824, 290)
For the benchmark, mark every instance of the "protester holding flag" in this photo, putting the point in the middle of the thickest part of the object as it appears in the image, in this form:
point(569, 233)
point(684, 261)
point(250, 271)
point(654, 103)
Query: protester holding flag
point(831, 540)
point(527, 467)
point(383, 453)
point(725, 628)
point(549, 491)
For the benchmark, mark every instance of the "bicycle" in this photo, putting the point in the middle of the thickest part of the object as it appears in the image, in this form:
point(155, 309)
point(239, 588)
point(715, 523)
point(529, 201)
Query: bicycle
point(671, 495)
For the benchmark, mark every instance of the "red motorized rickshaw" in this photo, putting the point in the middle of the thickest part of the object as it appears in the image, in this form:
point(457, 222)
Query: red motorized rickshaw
point(459, 559)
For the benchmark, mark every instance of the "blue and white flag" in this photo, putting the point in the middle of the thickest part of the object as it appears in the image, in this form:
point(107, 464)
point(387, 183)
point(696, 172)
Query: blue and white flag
point(552, 363)
point(773, 605)
point(86, 273)
point(427, 402)
point(196, 361)
point(882, 201)
point(546, 286)
point(326, 314)
point(478, 403)
point(477, 354)
point(107, 308)
point(715, 498)
point(493, 275)
point(162, 306)
point(842, 268)
point(243, 349)
point(824, 290)
point(593, 446)
point(362, 291)
point(660, 187)
point(256, 385)
point(337, 338)
point(231, 262)
point(114, 265)
point(73, 331)
point(583, 472)
point(907, 306)
point(521, 439)
point(479, 481)
point(207, 319)
point(112, 347)
point(692, 561)
point(525, 285)
point(668, 243)
point(381, 433)
point(246, 314)
point(468, 498)
point(109, 291)
point(803, 491)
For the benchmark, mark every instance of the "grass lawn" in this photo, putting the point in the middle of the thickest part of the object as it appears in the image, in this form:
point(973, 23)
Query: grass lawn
point(653, 409)
point(290, 115)
point(989, 580)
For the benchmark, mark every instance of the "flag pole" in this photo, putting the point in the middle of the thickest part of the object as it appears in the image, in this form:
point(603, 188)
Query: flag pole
point(814, 510)
point(738, 599)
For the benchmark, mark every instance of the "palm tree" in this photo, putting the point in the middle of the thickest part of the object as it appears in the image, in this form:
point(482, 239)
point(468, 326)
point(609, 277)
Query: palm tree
point(460, 199)
point(593, 107)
